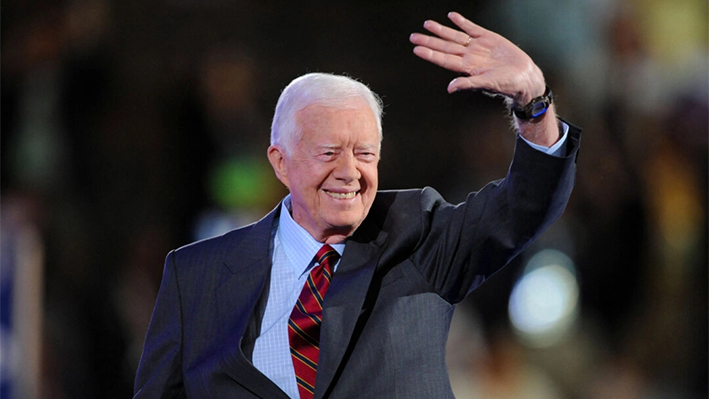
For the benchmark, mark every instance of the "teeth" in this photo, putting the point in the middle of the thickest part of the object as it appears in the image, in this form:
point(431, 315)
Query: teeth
point(341, 195)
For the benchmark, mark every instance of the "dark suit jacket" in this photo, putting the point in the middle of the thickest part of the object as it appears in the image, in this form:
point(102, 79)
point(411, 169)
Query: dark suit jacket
point(388, 309)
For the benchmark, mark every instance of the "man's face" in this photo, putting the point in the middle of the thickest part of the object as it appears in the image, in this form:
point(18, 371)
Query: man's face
point(331, 171)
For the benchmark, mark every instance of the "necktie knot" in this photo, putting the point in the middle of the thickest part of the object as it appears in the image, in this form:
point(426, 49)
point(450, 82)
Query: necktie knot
point(328, 255)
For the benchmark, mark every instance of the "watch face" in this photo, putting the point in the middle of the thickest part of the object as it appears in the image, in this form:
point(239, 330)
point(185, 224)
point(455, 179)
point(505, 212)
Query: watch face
point(538, 108)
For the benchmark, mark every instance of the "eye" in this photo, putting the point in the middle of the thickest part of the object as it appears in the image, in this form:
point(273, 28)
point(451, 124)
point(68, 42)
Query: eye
point(327, 154)
point(367, 156)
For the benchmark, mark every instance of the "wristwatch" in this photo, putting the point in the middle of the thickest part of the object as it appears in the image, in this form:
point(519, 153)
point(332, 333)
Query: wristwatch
point(537, 107)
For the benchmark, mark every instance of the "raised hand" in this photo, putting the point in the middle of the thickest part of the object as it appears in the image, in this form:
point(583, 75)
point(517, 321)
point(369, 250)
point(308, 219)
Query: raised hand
point(491, 62)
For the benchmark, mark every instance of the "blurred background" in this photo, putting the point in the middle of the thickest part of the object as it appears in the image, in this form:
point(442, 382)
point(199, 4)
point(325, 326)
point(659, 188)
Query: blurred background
point(133, 127)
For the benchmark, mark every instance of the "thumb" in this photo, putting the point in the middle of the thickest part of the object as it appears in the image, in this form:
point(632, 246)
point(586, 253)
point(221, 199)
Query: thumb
point(469, 83)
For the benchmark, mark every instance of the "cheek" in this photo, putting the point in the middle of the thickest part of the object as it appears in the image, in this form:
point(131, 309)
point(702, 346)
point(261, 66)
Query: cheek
point(371, 177)
point(304, 179)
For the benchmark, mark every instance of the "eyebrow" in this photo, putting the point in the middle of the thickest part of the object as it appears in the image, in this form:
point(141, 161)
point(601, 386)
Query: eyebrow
point(328, 147)
point(360, 147)
point(367, 147)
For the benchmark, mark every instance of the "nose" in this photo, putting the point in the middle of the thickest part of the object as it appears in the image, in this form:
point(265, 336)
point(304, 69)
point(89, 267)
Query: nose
point(346, 169)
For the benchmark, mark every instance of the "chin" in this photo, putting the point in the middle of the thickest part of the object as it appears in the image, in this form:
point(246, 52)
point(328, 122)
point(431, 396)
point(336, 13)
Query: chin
point(345, 224)
point(342, 225)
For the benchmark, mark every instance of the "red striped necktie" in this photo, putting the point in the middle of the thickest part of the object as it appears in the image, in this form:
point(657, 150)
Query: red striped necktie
point(304, 322)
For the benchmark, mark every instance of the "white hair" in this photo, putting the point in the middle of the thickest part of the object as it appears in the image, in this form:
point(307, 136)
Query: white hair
point(322, 89)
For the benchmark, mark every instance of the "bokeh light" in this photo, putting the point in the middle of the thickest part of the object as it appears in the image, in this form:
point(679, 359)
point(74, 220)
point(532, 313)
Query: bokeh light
point(544, 303)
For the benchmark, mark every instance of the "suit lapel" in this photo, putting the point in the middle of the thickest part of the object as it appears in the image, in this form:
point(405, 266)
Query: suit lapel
point(343, 305)
point(247, 269)
point(247, 272)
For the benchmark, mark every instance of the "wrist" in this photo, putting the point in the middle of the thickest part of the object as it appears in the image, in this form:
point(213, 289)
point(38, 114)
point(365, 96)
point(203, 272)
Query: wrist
point(543, 130)
point(534, 108)
point(524, 97)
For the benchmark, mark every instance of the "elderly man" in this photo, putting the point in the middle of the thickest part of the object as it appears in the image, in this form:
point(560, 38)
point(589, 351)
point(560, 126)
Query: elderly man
point(344, 291)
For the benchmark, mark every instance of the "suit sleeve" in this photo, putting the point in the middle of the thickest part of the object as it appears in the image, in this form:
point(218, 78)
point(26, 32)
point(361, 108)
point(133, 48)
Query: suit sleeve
point(462, 245)
point(160, 372)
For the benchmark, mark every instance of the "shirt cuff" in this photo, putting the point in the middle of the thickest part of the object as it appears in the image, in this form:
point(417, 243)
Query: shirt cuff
point(559, 148)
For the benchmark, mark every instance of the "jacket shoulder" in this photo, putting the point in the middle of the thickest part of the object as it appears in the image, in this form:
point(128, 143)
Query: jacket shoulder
point(402, 214)
point(211, 249)
point(215, 249)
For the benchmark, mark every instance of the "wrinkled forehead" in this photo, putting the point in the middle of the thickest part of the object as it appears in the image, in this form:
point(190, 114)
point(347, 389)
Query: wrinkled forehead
point(353, 112)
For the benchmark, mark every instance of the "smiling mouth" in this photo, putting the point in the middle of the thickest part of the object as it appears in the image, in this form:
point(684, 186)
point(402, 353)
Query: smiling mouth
point(349, 195)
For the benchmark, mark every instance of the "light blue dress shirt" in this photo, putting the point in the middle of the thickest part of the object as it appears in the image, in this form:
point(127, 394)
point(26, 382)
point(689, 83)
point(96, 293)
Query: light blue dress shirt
point(293, 256)
point(559, 148)
point(294, 251)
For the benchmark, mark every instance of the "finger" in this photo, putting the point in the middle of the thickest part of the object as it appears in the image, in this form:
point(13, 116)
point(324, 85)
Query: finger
point(448, 61)
point(466, 25)
point(436, 44)
point(446, 33)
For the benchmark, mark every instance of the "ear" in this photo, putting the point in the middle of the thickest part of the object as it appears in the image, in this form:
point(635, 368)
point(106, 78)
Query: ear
point(277, 158)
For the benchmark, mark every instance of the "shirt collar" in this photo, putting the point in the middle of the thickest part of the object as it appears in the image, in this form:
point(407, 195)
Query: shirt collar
point(299, 246)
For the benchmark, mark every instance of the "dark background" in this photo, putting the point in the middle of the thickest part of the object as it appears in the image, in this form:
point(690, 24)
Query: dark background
point(133, 127)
